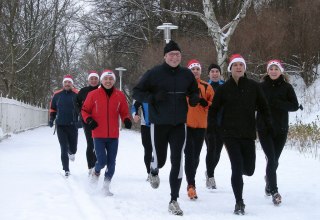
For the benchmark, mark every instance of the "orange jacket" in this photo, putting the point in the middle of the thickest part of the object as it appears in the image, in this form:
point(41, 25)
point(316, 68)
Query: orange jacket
point(197, 116)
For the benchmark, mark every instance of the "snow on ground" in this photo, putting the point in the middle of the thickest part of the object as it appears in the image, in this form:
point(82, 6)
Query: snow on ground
point(33, 186)
point(309, 98)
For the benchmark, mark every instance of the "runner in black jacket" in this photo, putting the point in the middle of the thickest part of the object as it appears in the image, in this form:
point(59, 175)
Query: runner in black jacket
point(239, 98)
point(165, 88)
point(93, 80)
point(282, 99)
point(213, 137)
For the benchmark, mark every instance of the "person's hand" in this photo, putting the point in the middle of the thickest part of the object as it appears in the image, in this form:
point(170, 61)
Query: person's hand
point(300, 107)
point(127, 123)
point(51, 123)
point(203, 102)
point(91, 123)
point(136, 118)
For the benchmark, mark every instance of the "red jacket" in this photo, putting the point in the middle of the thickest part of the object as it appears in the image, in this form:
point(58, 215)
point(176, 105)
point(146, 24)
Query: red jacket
point(105, 111)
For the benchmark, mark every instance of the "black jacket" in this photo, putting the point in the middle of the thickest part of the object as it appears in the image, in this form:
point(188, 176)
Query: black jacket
point(82, 95)
point(239, 104)
point(176, 83)
point(282, 99)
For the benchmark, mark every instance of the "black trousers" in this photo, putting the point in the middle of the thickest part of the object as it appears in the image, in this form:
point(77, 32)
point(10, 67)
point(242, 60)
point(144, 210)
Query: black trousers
point(214, 146)
point(90, 154)
point(68, 139)
point(242, 155)
point(147, 145)
point(195, 138)
point(272, 147)
point(161, 136)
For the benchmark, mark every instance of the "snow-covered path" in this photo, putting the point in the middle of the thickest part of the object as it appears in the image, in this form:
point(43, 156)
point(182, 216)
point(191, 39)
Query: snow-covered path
point(32, 185)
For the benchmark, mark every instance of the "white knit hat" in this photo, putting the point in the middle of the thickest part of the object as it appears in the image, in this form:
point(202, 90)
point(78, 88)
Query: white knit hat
point(93, 73)
point(277, 63)
point(236, 58)
point(67, 77)
point(107, 72)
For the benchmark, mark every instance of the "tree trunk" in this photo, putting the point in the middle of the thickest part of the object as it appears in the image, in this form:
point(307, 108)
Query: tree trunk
point(221, 36)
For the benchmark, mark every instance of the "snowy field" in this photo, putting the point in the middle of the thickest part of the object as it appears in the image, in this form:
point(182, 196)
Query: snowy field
point(33, 186)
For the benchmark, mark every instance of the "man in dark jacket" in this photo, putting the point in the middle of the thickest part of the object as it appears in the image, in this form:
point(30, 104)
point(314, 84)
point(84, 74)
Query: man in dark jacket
point(239, 98)
point(63, 111)
point(93, 81)
point(213, 137)
point(166, 87)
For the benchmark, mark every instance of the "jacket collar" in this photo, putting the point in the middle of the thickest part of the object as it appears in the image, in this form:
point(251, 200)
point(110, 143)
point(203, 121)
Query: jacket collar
point(167, 66)
point(275, 82)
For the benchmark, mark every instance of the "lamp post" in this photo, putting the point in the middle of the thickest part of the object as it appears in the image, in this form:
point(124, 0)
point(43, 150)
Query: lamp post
point(121, 70)
point(167, 27)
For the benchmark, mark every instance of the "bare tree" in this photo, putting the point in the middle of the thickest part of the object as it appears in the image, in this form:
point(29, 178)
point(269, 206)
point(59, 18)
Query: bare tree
point(29, 31)
point(221, 35)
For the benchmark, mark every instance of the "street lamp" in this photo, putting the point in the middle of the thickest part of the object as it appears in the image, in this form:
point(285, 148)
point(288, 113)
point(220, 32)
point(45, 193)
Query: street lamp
point(120, 69)
point(167, 27)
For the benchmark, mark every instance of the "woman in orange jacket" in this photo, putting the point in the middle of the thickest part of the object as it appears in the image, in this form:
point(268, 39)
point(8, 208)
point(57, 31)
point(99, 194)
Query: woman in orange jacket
point(196, 127)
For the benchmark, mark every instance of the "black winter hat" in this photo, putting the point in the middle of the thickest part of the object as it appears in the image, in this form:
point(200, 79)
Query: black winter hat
point(170, 47)
point(213, 65)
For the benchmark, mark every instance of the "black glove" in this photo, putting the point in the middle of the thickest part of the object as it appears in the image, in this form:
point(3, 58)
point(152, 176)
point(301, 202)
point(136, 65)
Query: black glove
point(203, 102)
point(52, 118)
point(91, 123)
point(127, 123)
point(301, 107)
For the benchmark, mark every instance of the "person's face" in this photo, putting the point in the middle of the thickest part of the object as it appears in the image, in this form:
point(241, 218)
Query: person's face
point(196, 72)
point(274, 72)
point(173, 58)
point(108, 82)
point(237, 69)
point(67, 85)
point(93, 81)
point(214, 75)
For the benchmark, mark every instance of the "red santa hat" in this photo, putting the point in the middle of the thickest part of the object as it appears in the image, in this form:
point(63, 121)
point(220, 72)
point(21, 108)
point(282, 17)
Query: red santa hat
point(277, 63)
point(67, 77)
point(193, 63)
point(93, 73)
point(236, 58)
point(107, 72)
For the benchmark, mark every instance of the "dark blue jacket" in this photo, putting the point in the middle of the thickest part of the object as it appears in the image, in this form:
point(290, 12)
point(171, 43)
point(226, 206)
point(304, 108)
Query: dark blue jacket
point(63, 109)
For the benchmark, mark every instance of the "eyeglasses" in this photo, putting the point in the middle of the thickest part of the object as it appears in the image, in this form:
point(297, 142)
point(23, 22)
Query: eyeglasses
point(172, 54)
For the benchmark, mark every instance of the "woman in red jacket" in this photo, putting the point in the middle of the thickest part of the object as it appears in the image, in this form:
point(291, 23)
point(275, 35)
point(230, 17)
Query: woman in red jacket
point(101, 111)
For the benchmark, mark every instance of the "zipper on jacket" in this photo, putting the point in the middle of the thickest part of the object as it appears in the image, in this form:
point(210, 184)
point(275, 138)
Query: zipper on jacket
point(108, 98)
point(175, 102)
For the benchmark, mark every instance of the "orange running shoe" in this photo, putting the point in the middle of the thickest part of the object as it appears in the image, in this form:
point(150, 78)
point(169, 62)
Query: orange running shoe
point(192, 192)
